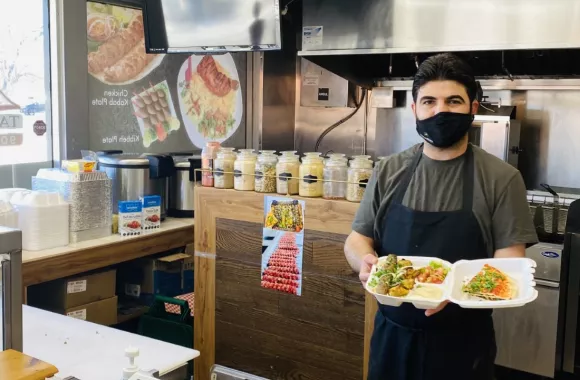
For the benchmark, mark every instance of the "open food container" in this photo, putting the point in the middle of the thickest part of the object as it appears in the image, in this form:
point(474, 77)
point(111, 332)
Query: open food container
point(416, 295)
point(520, 272)
point(431, 281)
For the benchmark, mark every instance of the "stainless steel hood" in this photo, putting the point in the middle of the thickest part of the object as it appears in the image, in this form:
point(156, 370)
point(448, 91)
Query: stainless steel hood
point(340, 35)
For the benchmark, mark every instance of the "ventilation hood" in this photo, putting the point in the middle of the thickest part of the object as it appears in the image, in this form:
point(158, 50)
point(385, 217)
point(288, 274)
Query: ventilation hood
point(371, 39)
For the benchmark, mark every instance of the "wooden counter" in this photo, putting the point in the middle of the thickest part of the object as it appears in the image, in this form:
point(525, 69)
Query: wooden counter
point(319, 335)
point(51, 264)
point(17, 366)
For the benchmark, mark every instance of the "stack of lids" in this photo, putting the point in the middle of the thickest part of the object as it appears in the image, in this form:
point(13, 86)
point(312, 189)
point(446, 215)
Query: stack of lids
point(43, 219)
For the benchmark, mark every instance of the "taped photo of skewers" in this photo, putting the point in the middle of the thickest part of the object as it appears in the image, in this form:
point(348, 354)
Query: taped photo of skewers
point(282, 250)
point(155, 113)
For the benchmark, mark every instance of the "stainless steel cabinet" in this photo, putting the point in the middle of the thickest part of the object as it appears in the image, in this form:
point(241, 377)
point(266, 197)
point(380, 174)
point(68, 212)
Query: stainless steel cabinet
point(526, 336)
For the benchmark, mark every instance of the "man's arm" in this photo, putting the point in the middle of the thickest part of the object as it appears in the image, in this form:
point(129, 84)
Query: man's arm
point(517, 250)
point(360, 254)
point(359, 247)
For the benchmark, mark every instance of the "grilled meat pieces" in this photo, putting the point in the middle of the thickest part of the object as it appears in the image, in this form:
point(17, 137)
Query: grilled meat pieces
point(217, 82)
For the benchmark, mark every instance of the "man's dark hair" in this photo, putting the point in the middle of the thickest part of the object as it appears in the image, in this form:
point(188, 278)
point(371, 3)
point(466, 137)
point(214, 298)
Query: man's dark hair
point(445, 66)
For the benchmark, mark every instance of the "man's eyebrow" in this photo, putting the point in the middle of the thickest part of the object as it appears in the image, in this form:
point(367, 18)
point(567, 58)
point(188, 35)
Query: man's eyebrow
point(426, 97)
point(455, 97)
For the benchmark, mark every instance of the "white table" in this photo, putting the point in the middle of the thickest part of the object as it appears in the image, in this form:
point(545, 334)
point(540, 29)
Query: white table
point(93, 352)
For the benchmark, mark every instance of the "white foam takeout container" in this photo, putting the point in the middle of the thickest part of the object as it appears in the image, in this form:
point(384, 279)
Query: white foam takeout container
point(521, 270)
point(418, 302)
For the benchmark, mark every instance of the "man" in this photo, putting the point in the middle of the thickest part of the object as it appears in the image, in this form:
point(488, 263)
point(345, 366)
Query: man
point(447, 199)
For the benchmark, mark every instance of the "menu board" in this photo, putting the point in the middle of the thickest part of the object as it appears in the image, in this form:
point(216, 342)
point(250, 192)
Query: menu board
point(158, 103)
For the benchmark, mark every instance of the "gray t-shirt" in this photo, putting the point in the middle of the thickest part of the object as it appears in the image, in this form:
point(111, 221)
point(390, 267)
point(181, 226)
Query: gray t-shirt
point(499, 196)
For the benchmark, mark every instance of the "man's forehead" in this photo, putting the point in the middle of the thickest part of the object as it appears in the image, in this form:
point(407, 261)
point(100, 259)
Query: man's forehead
point(442, 89)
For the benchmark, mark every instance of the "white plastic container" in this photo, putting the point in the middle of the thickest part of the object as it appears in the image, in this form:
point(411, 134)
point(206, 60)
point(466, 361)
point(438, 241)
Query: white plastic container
point(8, 215)
point(43, 218)
point(418, 302)
point(521, 270)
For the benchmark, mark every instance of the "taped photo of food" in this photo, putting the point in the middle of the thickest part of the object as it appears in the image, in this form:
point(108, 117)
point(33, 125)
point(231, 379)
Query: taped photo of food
point(153, 108)
point(116, 45)
point(210, 98)
point(284, 215)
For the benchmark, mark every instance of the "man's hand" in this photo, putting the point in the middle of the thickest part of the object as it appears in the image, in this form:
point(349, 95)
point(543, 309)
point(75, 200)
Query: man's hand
point(365, 267)
point(430, 312)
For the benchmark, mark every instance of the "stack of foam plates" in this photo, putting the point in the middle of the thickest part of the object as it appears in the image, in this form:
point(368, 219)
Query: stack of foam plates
point(8, 215)
point(6, 194)
point(43, 219)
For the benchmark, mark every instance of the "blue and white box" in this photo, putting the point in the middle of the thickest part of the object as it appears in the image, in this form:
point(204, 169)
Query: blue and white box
point(130, 218)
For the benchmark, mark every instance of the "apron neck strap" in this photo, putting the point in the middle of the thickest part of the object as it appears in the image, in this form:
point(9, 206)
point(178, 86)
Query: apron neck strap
point(468, 177)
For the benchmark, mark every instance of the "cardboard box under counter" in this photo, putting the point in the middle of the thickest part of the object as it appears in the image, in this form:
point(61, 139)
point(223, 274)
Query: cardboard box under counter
point(64, 294)
point(103, 312)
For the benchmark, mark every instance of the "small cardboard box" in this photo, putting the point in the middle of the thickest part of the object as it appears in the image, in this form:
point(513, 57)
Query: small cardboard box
point(130, 218)
point(60, 295)
point(103, 312)
point(151, 212)
point(163, 275)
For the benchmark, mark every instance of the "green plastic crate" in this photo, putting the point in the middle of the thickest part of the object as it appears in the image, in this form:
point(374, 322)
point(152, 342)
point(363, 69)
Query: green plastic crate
point(158, 324)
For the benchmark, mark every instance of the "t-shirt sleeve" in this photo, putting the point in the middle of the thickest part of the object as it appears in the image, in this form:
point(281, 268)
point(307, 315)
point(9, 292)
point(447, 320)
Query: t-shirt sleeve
point(364, 220)
point(511, 221)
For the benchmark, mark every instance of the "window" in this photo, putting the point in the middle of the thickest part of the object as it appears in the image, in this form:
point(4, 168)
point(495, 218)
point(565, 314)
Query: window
point(25, 125)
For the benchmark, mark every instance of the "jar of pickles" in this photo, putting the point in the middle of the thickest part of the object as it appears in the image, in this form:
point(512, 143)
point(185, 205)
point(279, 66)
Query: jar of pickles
point(287, 171)
point(208, 155)
point(244, 168)
point(224, 168)
point(359, 172)
point(311, 175)
point(265, 180)
point(335, 175)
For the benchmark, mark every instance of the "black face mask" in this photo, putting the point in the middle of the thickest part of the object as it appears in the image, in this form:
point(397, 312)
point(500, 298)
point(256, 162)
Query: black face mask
point(444, 129)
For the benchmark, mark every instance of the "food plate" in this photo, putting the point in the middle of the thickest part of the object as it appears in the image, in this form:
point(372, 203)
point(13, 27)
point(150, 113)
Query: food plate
point(211, 113)
point(413, 297)
point(520, 271)
point(161, 119)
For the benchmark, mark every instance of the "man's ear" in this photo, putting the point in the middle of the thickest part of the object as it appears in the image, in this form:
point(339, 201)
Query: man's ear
point(474, 107)
point(413, 106)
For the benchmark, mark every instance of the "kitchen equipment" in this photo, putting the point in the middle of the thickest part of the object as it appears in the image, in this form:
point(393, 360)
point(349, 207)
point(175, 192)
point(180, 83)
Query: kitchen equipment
point(244, 170)
point(182, 185)
point(527, 336)
point(496, 130)
point(10, 289)
point(135, 175)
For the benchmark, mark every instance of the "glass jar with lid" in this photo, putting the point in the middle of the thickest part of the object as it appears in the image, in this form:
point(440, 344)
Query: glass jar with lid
point(335, 176)
point(265, 180)
point(244, 168)
point(208, 155)
point(359, 172)
point(224, 168)
point(311, 175)
point(287, 171)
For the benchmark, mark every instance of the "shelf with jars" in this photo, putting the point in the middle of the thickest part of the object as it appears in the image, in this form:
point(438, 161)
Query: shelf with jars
point(313, 176)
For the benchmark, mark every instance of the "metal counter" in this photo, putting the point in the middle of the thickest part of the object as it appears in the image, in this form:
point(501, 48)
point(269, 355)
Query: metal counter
point(10, 289)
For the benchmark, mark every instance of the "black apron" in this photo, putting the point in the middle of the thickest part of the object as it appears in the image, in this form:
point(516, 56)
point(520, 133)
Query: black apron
point(455, 343)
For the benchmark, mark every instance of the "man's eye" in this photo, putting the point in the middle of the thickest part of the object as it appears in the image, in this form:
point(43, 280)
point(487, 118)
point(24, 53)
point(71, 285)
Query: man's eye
point(427, 102)
point(454, 102)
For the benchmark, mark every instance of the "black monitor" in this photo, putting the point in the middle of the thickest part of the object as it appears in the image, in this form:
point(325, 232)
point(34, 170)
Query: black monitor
point(211, 26)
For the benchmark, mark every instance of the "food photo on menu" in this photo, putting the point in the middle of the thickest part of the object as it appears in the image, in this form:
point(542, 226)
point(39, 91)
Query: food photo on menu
point(157, 102)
